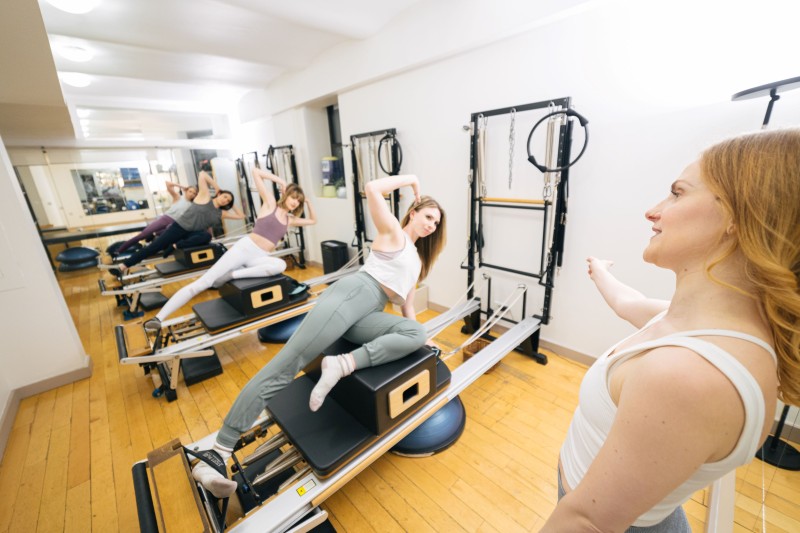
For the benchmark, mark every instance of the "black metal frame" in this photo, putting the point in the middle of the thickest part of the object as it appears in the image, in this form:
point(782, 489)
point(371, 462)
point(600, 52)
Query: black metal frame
point(774, 450)
point(300, 260)
point(550, 258)
point(358, 200)
point(245, 190)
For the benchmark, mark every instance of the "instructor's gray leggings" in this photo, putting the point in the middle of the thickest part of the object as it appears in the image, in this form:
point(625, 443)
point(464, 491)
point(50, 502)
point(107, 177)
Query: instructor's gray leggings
point(674, 523)
point(351, 308)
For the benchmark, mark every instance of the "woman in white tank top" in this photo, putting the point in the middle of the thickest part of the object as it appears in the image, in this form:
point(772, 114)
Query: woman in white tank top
point(691, 395)
point(353, 309)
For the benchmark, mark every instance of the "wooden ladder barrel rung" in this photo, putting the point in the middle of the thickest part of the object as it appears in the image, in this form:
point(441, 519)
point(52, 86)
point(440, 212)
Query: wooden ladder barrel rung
point(136, 339)
point(177, 502)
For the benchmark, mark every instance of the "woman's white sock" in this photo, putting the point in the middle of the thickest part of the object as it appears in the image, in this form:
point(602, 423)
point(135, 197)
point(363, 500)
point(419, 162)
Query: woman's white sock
point(211, 479)
point(334, 368)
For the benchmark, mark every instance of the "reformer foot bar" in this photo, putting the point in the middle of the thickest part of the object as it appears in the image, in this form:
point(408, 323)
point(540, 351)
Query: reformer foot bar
point(186, 338)
point(281, 491)
point(145, 294)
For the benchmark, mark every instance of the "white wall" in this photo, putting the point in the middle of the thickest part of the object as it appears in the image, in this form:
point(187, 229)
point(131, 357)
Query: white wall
point(655, 82)
point(39, 338)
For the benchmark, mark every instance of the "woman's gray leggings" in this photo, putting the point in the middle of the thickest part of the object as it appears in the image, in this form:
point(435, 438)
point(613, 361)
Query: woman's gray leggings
point(674, 523)
point(351, 308)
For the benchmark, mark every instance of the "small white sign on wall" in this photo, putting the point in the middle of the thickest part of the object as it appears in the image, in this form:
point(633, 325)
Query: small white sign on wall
point(10, 273)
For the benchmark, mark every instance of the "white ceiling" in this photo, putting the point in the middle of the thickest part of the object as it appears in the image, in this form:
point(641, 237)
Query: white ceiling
point(160, 68)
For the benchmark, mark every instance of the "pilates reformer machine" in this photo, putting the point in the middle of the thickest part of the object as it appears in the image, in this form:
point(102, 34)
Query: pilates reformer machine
point(293, 459)
point(363, 418)
point(185, 343)
point(140, 290)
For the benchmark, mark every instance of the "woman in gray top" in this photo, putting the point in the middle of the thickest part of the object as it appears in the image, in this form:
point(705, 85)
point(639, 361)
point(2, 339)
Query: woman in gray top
point(179, 205)
point(190, 226)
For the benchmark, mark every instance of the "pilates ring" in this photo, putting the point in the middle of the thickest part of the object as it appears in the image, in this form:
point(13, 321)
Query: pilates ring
point(569, 113)
point(396, 151)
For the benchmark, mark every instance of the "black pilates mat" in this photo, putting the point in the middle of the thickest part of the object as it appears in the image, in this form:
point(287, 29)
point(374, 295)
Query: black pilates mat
point(327, 438)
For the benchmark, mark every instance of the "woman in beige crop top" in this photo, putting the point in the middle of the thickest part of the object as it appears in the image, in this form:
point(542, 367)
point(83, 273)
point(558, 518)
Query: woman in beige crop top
point(251, 256)
point(730, 231)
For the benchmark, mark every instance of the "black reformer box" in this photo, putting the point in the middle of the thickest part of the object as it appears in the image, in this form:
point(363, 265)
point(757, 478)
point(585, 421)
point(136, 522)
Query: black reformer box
point(255, 296)
point(198, 255)
point(188, 259)
point(359, 408)
point(379, 396)
point(244, 299)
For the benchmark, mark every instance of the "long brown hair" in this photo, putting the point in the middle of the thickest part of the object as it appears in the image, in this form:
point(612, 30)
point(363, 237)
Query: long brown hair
point(756, 177)
point(293, 190)
point(431, 246)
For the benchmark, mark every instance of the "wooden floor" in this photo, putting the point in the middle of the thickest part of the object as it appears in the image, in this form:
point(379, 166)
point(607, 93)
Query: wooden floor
point(67, 465)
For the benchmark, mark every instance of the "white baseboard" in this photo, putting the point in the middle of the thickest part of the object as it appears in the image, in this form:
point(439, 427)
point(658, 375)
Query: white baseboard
point(9, 412)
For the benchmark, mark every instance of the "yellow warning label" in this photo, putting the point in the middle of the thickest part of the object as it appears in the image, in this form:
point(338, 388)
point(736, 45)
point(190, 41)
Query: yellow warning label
point(306, 487)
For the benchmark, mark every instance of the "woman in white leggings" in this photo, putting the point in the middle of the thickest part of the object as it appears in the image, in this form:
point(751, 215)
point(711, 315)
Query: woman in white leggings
point(251, 256)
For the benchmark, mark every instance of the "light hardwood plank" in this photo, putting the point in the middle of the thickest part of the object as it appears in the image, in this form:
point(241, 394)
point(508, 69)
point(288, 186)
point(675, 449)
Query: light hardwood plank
point(68, 458)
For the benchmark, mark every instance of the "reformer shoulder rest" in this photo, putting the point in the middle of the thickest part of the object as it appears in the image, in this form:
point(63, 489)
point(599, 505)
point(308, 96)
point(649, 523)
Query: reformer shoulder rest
point(194, 258)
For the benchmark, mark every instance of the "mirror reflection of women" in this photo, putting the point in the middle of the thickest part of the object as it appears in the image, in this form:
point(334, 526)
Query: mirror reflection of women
point(182, 197)
point(190, 227)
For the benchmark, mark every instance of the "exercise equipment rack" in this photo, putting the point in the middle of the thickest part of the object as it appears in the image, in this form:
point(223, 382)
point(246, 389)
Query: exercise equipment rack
point(550, 259)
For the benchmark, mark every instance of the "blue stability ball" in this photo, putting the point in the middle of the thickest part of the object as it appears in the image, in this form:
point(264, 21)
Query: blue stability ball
point(437, 433)
point(77, 255)
point(280, 332)
point(77, 265)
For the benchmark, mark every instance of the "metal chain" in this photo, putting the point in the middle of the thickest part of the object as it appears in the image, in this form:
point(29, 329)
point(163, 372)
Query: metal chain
point(511, 139)
point(483, 122)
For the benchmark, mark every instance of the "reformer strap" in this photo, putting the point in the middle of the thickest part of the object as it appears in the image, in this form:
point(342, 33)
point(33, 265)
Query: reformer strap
point(211, 458)
point(214, 460)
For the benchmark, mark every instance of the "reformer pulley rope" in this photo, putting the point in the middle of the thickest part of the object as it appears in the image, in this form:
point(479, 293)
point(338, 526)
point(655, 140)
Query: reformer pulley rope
point(498, 314)
point(567, 113)
point(349, 264)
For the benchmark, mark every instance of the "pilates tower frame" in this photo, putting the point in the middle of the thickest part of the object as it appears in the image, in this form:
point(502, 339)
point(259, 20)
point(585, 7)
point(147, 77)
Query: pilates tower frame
point(550, 258)
point(358, 198)
point(300, 260)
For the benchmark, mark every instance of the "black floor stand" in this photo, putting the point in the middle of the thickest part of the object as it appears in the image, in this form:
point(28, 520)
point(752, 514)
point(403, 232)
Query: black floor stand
point(774, 451)
point(777, 452)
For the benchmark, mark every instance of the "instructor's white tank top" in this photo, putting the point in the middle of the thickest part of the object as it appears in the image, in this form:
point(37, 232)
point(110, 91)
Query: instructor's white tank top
point(592, 420)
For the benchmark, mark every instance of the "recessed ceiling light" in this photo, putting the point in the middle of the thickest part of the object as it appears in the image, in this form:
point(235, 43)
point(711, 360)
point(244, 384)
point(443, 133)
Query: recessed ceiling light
point(74, 52)
point(77, 7)
point(83, 112)
point(75, 79)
